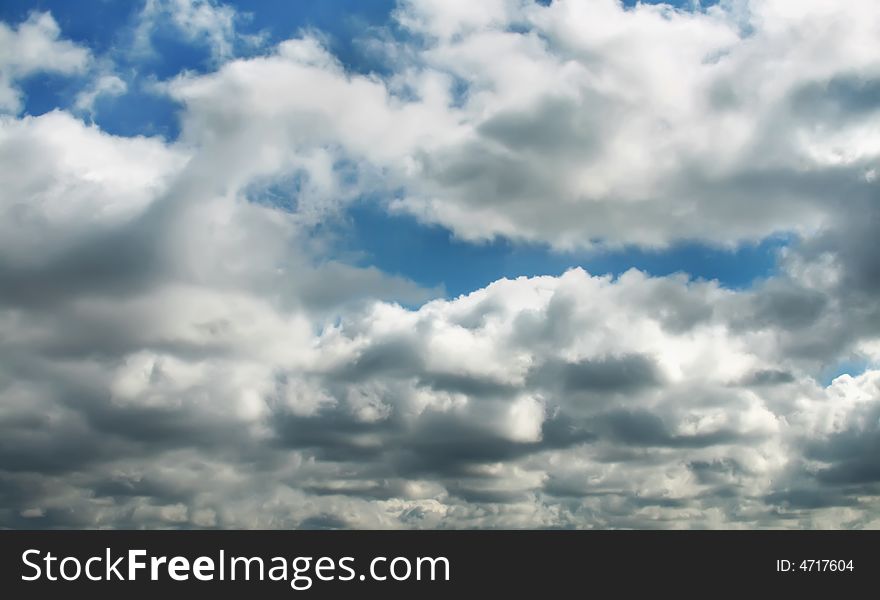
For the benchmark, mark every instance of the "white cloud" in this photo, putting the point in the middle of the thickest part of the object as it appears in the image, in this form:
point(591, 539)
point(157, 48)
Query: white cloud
point(110, 85)
point(34, 46)
point(64, 180)
point(649, 124)
point(205, 22)
point(581, 121)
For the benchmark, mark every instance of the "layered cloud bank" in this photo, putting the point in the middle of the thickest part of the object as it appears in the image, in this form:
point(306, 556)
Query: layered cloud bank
point(177, 348)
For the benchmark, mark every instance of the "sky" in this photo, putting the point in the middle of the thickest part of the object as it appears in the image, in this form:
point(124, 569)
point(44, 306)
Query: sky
point(439, 264)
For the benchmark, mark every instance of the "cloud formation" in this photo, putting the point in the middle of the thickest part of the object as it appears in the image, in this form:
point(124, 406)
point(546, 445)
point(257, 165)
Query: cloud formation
point(34, 47)
point(581, 122)
point(176, 350)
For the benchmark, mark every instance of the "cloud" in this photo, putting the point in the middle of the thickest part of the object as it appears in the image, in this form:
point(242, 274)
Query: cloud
point(204, 22)
point(34, 46)
point(177, 350)
point(581, 123)
point(398, 417)
point(69, 184)
point(110, 85)
point(587, 121)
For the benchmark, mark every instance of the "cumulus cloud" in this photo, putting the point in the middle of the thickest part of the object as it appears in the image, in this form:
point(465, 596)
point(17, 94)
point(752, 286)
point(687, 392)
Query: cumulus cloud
point(588, 121)
point(584, 122)
point(175, 349)
point(34, 46)
point(552, 401)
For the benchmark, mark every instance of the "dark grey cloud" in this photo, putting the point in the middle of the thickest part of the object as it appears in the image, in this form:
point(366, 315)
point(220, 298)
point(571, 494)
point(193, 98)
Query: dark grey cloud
point(323, 521)
point(852, 456)
point(769, 377)
point(393, 357)
point(839, 99)
point(556, 127)
point(117, 262)
point(787, 307)
point(610, 374)
point(716, 471)
point(470, 386)
point(642, 428)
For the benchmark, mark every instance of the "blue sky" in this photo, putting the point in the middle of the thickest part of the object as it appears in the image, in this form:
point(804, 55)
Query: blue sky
point(399, 244)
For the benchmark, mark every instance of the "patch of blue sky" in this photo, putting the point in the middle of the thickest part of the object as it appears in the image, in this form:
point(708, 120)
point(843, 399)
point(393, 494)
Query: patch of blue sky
point(171, 54)
point(139, 112)
point(44, 92)
point(93, 25)
point(432, 257)
point(342, 25)
point(107, 29)
point(851, 365)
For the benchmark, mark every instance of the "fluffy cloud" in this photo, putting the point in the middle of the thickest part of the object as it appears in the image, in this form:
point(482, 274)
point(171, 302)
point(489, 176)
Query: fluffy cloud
point(582, 122)
point(552, 401)
point(587, 121)
point(70, 186)
point(175, 349)
point(34, 46)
